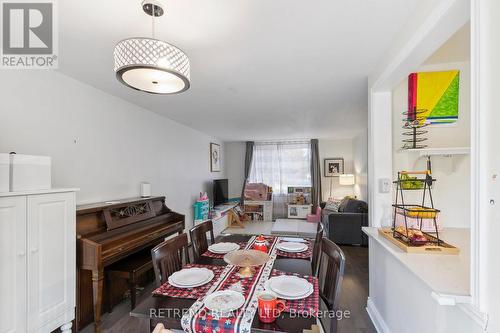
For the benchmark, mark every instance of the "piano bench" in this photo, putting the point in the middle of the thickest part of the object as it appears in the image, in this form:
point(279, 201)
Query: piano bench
point(130, 269)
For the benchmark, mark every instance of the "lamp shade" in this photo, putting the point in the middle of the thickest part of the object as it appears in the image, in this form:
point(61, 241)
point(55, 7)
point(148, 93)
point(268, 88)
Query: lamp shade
point(151, 65)
point(346, 179)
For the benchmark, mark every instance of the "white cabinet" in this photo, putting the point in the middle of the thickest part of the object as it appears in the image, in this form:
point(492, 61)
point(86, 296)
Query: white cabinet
point(259, 210)
point(219, 223)
point(12, 264)
point(37, 266)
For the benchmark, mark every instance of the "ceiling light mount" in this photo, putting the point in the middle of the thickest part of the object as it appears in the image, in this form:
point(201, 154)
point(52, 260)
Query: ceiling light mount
point(153, 8)
point(149, 64)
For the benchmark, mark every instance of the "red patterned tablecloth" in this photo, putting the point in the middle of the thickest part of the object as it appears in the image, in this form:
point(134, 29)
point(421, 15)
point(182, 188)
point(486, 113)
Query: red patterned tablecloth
point(167, 289)
point(307, 254)
point(306, 306)
point(199, 319)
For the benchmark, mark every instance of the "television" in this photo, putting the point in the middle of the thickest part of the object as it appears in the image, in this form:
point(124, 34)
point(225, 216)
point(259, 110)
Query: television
point(220, 192)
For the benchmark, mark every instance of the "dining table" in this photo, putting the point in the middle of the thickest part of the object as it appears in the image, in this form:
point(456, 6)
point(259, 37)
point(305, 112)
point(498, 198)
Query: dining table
point(169, 310)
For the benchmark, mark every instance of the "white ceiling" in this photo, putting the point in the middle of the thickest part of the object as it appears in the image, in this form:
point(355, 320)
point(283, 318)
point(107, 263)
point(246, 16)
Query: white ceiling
point(260, 69)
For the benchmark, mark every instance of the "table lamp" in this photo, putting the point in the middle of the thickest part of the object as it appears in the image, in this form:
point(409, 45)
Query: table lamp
point(347, 179)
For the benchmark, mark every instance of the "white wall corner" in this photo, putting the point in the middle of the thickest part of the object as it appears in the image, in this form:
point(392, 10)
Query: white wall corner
point(379, 156)
point(376, 317)
point(433, 23)
point(486, 160)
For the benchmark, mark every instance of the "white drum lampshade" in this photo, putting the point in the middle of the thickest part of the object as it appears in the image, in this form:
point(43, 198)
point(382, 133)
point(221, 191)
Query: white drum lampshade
point(347, 179)
point(151, 65)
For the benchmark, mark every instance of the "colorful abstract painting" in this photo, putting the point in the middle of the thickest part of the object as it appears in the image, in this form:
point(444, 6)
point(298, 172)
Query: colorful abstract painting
point(437, 94)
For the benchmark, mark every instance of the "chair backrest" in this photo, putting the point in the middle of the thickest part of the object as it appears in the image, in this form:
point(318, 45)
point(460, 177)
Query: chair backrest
point(316, 249)
point(331, 273)
point(167, 257)
point(199, 238)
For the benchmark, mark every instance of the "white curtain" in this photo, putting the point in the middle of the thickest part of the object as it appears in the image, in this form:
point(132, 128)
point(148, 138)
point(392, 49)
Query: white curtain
point(280, 165)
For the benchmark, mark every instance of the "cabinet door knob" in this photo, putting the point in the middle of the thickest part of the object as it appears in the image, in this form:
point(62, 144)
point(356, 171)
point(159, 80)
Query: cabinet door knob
point(21, 254)
point(34, 250)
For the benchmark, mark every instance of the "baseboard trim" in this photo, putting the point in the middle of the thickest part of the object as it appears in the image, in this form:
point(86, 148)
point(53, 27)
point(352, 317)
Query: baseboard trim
point(376, 318)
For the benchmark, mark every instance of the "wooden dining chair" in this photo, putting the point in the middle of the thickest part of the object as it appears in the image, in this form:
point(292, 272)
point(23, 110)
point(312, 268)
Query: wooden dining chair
point(168, 257)
point(316, 250)
point(199, 238)
point(330, 275)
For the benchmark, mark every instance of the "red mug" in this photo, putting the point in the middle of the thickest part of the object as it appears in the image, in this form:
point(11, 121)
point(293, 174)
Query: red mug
point(270, 307)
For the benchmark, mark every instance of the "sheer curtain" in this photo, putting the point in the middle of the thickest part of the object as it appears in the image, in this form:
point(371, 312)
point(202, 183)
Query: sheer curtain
point(279, 165)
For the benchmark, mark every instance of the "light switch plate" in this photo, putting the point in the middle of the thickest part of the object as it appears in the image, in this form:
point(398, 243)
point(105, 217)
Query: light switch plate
point(384, 185)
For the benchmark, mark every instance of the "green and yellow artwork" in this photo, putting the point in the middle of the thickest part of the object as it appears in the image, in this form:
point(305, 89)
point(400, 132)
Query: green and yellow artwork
point(437, 94)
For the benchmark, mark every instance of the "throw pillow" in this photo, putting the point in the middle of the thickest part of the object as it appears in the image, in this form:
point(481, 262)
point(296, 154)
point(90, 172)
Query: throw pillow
point(333, 205)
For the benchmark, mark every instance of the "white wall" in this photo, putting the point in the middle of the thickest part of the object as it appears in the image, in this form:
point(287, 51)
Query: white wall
point(100, 143)
point(235, 166)
point(330, 149)
point(486, 157)
point(433, 22)
point(428, 28)
point(451, 192)
point(379, 158)
point(360, 165)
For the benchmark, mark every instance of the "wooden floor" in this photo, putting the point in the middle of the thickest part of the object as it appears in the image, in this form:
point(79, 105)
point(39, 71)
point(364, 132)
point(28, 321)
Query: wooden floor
point(355, 291)
point(353, 298)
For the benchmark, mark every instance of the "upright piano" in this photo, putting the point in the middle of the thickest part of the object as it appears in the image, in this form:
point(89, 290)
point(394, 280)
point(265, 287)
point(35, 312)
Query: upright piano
point(112, 231)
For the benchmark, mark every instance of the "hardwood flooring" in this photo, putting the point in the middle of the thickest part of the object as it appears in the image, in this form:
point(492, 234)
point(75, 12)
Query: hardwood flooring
point(355, 291)
point(353, 298)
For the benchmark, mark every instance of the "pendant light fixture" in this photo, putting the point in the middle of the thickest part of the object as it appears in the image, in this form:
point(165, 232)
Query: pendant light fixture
point(149, 64)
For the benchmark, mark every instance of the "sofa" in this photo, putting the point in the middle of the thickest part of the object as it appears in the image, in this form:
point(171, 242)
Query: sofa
point(343, 226)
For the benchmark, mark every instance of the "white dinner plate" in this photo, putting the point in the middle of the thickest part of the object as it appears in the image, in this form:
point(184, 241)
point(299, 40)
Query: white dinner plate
point(309, 292)
point(191, 277)
point(289, 298)
point(188, 287)
point(293, 239)
point(292, 247)
point(290, 286)
point(224, 301)
point(223, 248)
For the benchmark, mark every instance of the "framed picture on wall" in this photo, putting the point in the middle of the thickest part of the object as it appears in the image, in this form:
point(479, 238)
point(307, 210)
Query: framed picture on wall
point(214, 157)
point(334, 166)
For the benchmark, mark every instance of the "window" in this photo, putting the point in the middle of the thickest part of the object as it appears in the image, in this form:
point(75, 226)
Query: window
point(281, 164)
